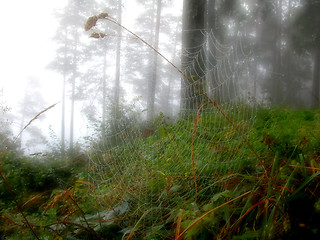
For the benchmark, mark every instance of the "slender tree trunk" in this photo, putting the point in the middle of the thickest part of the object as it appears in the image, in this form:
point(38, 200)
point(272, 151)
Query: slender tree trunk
point(192, 39)
point(211, 26)
point(63, 107)
point(257, 48)
point(168, 101)
point(153, 81)
point(73, 88)
point(63, 111)
point(289, 91)
point(277, 87)
point(316, 79)
point(104, 96)
point(72, 113)
point(118, 59)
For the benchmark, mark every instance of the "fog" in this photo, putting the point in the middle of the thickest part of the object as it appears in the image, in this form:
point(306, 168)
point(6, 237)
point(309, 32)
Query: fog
point(148, 58)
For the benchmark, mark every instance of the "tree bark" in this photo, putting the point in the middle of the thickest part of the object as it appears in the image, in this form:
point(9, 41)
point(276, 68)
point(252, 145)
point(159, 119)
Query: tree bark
point(118, 61)
point(193, 24)
point(316, 79)
point(64, 82)
point(168, 97)
point(73, 87)
point(104, 96)
point(211, 26)
point(63, 111)
point(276, 91)
point(287, 60)
point(152, 83)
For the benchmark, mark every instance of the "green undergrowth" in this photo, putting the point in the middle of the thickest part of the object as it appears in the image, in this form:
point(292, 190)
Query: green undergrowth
point(253, 176)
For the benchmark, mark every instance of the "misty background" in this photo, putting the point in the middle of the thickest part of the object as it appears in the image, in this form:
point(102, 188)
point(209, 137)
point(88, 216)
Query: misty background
point(270, 48)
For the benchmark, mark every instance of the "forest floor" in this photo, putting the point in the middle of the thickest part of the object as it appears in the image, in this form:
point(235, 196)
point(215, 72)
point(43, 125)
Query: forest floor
point(265, 188)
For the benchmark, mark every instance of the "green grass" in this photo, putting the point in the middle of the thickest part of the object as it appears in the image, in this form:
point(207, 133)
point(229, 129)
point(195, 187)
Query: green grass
point(252, 180)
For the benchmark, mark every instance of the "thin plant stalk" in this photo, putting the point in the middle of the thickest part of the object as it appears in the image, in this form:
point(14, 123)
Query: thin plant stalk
point(6, 182)
point(34, 118)
point(191, 82)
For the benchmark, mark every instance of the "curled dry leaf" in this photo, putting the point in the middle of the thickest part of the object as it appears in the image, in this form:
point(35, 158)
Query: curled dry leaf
point(103, 15)
point(97, 35)
point(91, 22)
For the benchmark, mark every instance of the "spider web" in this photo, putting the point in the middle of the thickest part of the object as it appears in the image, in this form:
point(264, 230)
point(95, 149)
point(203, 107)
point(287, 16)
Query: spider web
point(144, 175)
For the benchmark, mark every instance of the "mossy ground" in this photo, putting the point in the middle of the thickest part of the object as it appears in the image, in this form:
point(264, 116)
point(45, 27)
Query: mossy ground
point(264, 188)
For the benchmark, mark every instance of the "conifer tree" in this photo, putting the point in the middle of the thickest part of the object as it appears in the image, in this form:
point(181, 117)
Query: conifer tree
point(70, 54)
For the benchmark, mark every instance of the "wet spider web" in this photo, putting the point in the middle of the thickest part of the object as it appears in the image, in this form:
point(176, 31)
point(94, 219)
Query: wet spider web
point(143, 176)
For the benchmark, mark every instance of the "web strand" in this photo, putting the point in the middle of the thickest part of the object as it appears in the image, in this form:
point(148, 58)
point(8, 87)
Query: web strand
point(140, 174)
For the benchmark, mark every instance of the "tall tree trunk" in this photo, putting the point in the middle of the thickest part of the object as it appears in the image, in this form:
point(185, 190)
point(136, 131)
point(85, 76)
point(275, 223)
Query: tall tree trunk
point(211, 26)
point(153, 81)
point(118, 58)
point(64, 82)
point(63, 111)
point(166, 98)
point(104, 96)
point(289, 91)
point(277, 87)
point(73, 87)
point(72, 113)
point(316, 79)
point(192, 39)
point(257, 48)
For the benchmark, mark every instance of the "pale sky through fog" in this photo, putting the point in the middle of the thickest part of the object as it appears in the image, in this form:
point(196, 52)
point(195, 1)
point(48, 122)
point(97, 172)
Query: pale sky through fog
point(27, 28)
point(26, 48)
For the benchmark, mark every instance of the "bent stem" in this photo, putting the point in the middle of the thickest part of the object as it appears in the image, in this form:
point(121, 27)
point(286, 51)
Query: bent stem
point(34, 118)
point(110, 19)
point(6, 182)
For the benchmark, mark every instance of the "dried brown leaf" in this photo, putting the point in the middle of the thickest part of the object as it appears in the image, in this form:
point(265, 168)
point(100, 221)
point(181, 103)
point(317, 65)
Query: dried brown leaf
point(91, 22)
point(103, 15)
point(97, 35)
point(56, 200)
point(33, 200)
